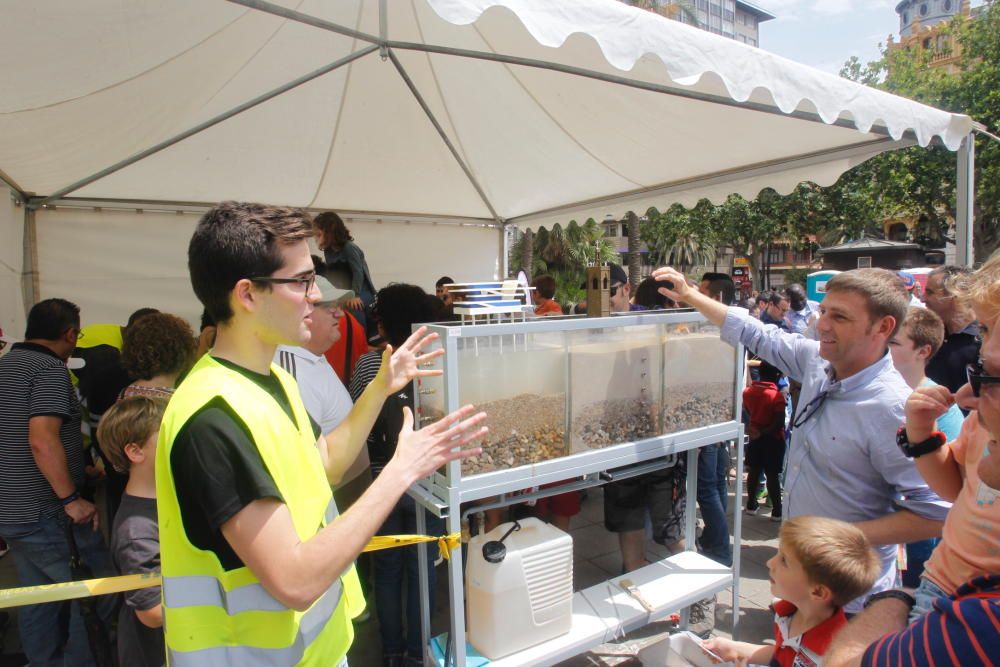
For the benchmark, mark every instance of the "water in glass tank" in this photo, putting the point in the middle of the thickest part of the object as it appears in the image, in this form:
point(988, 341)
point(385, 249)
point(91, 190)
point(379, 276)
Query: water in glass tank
point(522, 388)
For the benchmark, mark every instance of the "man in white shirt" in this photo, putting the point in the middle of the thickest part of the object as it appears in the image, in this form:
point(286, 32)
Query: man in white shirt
point(324, 395)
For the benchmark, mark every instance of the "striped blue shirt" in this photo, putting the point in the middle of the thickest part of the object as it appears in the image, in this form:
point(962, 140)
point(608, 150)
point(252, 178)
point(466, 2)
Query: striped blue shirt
point(961, 630)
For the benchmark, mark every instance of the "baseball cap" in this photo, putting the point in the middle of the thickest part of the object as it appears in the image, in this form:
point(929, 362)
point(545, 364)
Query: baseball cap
point(329, 293)
point(618, 275)
point(908, 280)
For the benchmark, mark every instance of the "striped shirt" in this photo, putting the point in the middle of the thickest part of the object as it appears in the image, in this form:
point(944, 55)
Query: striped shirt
point(34, 382)
point(961, 630)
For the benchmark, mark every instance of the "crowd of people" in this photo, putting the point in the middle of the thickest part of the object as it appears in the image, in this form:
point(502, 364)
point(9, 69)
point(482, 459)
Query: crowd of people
point(250, 463)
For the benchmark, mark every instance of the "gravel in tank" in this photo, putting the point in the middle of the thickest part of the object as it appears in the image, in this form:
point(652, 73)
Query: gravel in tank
point(613, 421)
point(525, 429)
point(690, 406)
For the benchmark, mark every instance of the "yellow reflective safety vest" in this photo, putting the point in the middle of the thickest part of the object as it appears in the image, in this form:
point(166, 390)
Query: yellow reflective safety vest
point(101, 334)
point(215, 618)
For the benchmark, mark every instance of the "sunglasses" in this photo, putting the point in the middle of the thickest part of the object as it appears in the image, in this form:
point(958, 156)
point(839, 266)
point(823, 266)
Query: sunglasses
point(614, 289)
point(977, 378)
point(809, 409)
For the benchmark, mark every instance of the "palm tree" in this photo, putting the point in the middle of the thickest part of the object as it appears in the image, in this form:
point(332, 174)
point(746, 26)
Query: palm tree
point(634, 268)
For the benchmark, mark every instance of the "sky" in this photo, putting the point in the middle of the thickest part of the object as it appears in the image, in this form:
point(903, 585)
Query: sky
point(825, 33)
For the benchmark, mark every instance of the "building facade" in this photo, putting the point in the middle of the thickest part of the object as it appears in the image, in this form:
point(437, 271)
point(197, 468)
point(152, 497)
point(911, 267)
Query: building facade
point(730, 18)
point(924, 25)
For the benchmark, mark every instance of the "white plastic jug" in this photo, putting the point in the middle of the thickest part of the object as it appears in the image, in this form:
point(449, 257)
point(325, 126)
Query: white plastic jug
point(527, 597)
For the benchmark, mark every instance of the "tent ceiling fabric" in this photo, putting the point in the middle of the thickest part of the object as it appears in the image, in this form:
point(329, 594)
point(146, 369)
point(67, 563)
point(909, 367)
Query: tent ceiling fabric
point(88, 85)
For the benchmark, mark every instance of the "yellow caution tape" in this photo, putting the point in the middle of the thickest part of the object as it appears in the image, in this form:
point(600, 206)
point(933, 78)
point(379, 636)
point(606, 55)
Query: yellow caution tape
point(446, 543)
point(71, 590)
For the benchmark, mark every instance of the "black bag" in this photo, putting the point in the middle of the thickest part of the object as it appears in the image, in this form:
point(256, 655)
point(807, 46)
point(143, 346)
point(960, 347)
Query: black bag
point(100, 635)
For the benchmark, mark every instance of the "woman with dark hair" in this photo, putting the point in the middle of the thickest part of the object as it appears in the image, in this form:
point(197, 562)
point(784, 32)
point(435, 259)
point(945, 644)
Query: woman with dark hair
point(397, 308)
point(157, 350)
point(346, 265)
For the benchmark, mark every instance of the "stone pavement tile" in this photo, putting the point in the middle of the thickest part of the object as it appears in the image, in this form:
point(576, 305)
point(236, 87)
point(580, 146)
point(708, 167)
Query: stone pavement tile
point(611, 563)
point(593, 540)
point(591, 509)
point(587, 574)
point(750, 568)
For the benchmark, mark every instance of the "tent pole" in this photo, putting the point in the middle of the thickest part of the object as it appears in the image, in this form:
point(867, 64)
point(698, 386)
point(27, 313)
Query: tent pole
point(965, 198)
point(504, 250)
point(19, 194)
point(383, 33)
point(292, 15)
point(35, 203)
point(30, 289)
point(444, 137)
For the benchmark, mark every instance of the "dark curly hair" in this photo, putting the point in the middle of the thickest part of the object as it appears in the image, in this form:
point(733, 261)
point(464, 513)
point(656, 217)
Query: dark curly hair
point(398, 307)
point(158, 344)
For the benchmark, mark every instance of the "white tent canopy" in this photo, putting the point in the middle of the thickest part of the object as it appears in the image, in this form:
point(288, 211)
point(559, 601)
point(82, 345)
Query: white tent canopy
point(474, 111)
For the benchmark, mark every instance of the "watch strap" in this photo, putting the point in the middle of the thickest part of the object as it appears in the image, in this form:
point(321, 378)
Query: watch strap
point(893, 593)
point(914, 450)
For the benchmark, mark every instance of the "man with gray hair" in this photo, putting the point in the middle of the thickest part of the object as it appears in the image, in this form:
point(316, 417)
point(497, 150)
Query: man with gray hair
point(844, 462)
point(961, 331)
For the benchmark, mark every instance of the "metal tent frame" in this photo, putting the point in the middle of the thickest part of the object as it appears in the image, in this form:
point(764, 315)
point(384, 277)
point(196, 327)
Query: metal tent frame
point(386, 49)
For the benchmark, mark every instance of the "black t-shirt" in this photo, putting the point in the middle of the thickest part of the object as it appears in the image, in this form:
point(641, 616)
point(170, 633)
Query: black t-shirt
point(135, 549)
point(947, 366)
point(218, 470)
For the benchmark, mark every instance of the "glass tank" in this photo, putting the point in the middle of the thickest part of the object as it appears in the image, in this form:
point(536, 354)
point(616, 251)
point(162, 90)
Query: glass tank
point(615, 379)
point(520, 382)
point(557, 388)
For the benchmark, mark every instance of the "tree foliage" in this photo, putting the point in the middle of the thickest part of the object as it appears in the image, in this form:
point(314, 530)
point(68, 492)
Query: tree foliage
point(921, 182)
point(564, 253)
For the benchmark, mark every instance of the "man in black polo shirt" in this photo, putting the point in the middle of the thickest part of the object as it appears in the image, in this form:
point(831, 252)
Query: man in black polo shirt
point(41, 471)
point(961, 340)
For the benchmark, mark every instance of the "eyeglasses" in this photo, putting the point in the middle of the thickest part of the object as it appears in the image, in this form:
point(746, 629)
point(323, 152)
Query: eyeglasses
point(977, 378)
point(78, 332)
point(305, 283)
point(810, 409)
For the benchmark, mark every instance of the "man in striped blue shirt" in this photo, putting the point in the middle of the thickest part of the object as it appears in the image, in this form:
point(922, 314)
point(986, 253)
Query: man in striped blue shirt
point(41, 475)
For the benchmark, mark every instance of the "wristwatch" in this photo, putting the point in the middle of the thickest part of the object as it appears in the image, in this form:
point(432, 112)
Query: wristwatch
point(915, 450)
point(893, 593)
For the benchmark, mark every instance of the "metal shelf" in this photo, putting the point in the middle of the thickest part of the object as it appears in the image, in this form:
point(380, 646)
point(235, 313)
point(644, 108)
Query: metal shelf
point(602, 612)
point(605, 612)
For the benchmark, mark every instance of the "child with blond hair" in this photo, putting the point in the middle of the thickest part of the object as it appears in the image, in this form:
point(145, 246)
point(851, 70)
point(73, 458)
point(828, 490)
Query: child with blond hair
point(821, 565)
point(127, 435)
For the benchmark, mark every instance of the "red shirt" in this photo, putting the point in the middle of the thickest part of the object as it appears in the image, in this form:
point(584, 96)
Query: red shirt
point(765, 402)
point(807, 649)
point(342, 359)
point(548, 307)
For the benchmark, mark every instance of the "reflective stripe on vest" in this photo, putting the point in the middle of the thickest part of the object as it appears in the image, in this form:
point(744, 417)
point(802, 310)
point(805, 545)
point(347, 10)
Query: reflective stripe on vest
point(312, 623)
point(206, 590)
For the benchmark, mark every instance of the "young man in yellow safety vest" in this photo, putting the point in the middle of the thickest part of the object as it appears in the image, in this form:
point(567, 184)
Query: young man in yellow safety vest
point(257, 566)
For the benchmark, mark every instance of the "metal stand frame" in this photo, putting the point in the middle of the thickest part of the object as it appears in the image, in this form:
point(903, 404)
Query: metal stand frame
point(444, 494)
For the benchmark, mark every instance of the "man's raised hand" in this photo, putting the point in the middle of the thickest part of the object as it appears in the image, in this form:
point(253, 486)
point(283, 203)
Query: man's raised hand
point(421, 452)
point(671, 275)
point(401, 366)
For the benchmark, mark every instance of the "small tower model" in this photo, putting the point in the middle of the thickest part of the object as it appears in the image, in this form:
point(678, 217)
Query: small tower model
point(598, 286)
